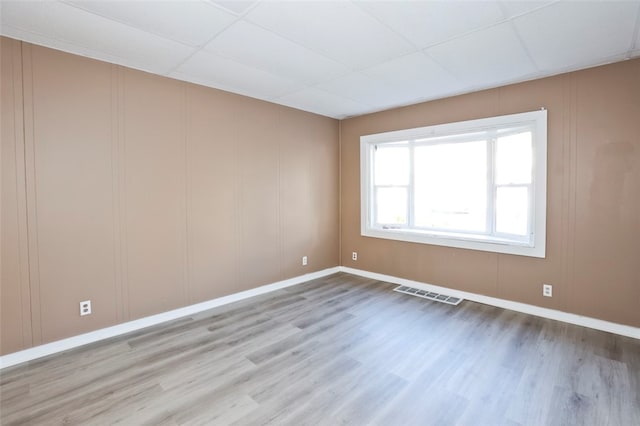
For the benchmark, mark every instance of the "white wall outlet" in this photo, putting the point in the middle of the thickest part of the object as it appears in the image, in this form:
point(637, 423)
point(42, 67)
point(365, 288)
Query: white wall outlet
point(85, 308)
point(354, 255)
point(304, 260)
point(547, 290)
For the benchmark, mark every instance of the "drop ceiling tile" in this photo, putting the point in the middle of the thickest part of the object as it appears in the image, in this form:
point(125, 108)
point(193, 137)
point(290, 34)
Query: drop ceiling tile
point(485, 58)
point(429, 22)
point(565, 35)
point(54, 24)
point(339, 30)
point(363, 89)
point(190, 22)
point(416, 77)
point(320, 102)
point(254, 46)
point(215, 71)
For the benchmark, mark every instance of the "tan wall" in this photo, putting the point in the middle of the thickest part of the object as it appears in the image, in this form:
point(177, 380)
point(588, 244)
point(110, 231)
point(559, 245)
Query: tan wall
point(144, 194)
point(593, 197)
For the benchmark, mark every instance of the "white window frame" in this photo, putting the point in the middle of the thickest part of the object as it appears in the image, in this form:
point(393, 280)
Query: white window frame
point(536, 245)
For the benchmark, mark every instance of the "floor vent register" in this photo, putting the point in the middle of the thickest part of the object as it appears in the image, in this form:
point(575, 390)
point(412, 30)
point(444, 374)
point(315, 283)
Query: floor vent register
point(451, 300)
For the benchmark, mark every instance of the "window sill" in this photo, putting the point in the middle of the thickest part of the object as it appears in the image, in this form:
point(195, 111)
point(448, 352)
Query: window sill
point(470, 242)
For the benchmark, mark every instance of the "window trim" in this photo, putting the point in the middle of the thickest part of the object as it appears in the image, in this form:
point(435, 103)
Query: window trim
point(537, 246)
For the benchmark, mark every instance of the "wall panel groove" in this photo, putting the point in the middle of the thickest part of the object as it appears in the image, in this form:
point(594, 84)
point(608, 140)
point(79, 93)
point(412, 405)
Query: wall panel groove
point(155, 192)
point(15, 306)
point(23, 249)
point(122, 190)
point(31, 194)
point(116, 196)
point(71, 153)
point(187, 200)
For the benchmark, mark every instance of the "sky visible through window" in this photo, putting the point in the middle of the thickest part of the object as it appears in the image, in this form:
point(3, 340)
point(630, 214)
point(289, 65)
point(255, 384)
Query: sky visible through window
point(454, 184)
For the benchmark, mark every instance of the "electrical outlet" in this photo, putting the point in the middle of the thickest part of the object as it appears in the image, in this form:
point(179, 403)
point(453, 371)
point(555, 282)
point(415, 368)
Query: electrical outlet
point(547, 290)
point(85, 308)
point(354, 255)
point(304, 260)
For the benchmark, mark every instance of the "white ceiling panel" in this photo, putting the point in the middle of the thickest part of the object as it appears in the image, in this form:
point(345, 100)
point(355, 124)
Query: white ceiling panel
point(321, 102)
point(229, 75)
point(485, 58)
point(518, 7)
point(236, 6)
point(363, 89)
point(415, 77)
point(426, 23)
point(339, 30)
point(190, 22)
point(566, 35)
point(260, 48)
point(64, 24)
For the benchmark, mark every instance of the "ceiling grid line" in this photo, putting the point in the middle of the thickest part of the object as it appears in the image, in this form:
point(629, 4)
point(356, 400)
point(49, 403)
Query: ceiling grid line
point(275, 34)
point(418, 49)
point(239, 17)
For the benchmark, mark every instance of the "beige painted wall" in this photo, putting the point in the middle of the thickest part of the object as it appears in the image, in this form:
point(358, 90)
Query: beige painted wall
point(145, 194)
point(593, 197)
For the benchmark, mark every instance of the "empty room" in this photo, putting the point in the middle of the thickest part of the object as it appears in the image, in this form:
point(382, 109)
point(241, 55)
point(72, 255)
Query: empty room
point(320, 212)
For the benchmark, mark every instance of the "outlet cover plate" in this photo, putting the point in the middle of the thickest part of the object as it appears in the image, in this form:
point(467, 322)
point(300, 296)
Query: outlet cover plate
point(85, 308)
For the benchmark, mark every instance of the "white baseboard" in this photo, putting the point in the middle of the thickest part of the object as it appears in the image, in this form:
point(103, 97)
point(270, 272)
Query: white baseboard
point(611, 327)
point(127, 327)
point(120, 329)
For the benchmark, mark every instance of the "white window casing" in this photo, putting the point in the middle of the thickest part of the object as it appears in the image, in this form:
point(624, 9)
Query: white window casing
point(471, 136)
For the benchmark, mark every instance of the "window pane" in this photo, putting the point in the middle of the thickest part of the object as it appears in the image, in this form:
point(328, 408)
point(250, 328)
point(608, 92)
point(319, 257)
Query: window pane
point(513, 159)
point(391, 166)
point(512, 210)
point(391, 206)
point(451, 186)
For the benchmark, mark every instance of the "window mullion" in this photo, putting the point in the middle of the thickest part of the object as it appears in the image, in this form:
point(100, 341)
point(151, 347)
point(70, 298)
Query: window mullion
point(411, 188)
point(491, 187)
point(373, 194)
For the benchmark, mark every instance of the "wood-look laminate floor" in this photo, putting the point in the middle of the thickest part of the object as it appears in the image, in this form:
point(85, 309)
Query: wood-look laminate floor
point(338, 350)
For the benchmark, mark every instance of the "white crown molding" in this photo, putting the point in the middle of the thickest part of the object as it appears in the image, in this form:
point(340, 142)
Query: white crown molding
point(611, 327)
point(127, 327)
